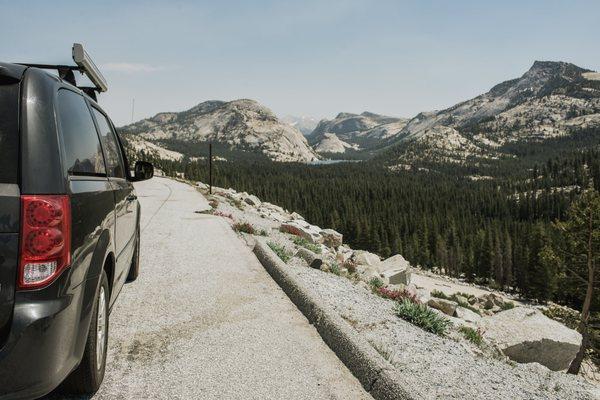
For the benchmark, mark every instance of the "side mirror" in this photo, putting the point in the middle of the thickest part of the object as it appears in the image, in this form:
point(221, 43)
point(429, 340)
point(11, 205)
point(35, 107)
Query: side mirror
point(143, 170)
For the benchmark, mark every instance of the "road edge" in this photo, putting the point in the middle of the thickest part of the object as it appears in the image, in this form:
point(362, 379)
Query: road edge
point(375, 374)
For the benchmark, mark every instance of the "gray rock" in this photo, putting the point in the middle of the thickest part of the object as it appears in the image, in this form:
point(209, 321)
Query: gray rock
point(366, 273)
point(252, 200)
point(396, 277)
point(396, 262)
point(491, 300)
point(314, 260)
point(303, 229)
point(332, 238)
point(274, 208)
point(366, 258)
point(446, 306)
point(295, 215)
point(526, 335)
point(467, 315)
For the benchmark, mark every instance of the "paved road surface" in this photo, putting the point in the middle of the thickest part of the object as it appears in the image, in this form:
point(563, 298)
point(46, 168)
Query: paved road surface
point(206, 321)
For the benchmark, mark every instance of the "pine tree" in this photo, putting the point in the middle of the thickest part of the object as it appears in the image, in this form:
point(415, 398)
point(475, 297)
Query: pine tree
point(581, 232)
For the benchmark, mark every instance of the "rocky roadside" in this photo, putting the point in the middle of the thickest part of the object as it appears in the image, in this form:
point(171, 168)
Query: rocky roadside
point(463, 342)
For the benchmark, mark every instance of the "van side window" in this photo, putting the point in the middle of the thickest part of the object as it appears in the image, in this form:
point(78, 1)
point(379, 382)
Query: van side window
point(112, 154)
point(9, 132)
point(83, 154)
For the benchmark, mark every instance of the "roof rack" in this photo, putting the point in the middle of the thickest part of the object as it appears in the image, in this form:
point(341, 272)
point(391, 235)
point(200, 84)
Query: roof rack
point(85, 65)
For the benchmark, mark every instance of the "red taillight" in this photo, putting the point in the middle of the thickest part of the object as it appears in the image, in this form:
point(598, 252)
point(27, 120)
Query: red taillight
point(45, 239)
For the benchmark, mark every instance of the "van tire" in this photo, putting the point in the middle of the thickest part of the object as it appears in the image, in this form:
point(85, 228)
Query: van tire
point(87, 377)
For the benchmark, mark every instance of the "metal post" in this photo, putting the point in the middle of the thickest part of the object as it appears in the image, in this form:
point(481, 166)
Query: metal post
point(210, 168)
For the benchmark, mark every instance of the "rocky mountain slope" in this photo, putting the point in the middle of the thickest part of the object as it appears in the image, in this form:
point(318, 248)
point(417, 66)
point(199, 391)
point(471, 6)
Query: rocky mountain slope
point(551, 100)
point(354, 132)
point(240, 125)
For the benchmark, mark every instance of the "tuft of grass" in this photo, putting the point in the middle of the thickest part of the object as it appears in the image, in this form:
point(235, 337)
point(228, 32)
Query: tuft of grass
point(567, 317)
point(472, 335)
point(507, 305)
point(422, 316)
point(335, 269)
point(376, 283)
point(385, 352)
point(439, 294)
point(466, 295)
point(302, 242)
point(466, 305)
point(262, 232)
point(237, 203)
point(280, 251)
point(244, 227)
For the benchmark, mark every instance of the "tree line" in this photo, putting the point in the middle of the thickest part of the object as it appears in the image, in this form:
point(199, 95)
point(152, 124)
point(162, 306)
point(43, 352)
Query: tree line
point(515, 232)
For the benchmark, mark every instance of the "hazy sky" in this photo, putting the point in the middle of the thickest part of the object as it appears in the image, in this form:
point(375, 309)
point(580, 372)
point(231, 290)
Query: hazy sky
point(313, 58)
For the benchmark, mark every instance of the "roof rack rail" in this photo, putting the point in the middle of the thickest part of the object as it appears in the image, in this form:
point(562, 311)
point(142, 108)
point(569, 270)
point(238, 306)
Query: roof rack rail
point(85, 65)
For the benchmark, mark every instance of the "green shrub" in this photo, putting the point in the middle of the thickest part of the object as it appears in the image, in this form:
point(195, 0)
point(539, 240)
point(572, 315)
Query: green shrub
point(422, 316)
point(262, 232)
point(280, 251)
point(244, 227)
point(439, 294)
point(465, 304)
point(335, 269)
point(302, 242)
point(466, 295)
point(237, 203)
point(472, 335)
point(375, 283)
point(569, 318)
point(507, 305)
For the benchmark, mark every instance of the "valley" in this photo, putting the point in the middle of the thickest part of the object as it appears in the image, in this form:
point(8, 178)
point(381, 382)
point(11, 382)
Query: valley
point(476, 191)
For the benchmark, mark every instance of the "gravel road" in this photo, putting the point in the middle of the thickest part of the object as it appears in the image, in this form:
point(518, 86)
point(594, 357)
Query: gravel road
point(206, 321)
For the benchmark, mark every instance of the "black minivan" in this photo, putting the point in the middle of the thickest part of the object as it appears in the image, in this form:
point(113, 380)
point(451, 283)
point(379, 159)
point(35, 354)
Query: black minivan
point(69, 233)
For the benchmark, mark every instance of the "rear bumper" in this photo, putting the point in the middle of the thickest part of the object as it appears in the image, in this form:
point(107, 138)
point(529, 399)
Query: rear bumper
point(41, 348)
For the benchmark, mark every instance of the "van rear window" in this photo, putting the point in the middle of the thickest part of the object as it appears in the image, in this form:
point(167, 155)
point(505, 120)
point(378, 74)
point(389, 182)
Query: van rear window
point(9, 132)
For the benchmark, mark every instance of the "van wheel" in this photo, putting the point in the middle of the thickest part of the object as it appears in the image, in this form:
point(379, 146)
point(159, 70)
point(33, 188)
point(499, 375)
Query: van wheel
point(88, 376)
point(134, 268)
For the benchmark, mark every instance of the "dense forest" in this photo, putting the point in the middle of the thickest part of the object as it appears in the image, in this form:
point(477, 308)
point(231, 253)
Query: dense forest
point(517, 224)
point(497, 231)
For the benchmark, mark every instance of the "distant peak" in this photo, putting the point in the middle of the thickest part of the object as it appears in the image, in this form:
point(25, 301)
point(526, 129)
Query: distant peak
point(370, 114)
point(555, 67)
point(345, 115)
point(245, 102)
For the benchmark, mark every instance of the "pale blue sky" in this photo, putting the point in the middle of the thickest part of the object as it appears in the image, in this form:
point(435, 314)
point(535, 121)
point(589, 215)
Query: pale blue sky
point(313, 58)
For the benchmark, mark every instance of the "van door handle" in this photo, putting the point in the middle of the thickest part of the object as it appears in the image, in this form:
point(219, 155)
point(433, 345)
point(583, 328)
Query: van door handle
point(131, 197)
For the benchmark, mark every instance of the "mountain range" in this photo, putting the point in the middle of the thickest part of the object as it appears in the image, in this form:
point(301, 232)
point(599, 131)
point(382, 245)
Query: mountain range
point(551, 100)
point(235, 126)
point(354, 132)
